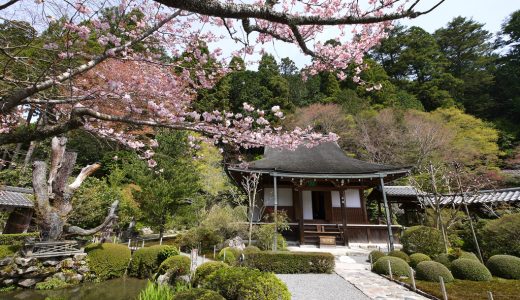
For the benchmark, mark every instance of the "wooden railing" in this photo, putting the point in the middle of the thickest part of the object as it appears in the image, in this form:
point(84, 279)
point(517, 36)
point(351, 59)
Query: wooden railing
point(51, 249)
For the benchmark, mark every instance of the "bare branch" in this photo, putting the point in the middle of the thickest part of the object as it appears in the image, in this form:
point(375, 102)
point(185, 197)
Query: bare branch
point(85, 172)
point(75, 230)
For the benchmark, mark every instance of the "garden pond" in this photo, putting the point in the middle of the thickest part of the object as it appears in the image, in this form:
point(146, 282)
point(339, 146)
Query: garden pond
point(115, 289)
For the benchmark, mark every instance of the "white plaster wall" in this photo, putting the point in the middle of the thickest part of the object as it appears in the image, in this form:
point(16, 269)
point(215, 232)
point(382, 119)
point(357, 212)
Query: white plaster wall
point(285, 197)
point(352, 197)
point(307, 205)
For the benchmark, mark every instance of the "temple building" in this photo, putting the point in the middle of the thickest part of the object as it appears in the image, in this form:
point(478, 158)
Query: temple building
point(323, 193)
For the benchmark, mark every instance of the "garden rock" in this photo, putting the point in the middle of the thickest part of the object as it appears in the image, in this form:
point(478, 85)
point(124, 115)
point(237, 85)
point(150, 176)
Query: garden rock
point(83, 269)
point(59, 276)
point(8, 282)
point(31, 269)
point(6, 261)
point(66, 263)
point(25, 262)
point(80, 256)
point(51, 262)
point(146, 230)
point(235, 242)
point(29, 282)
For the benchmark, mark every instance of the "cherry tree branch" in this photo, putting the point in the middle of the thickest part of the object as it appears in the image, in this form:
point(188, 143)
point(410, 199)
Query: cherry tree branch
point(17, 97)
point(216, 8)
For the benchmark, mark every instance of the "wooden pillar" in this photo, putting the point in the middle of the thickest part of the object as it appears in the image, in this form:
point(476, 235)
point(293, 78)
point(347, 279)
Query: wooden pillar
point(343, 216)
point(379, 212)
point(301, 225)
point(388, 219)
point(19, 220)
point(365, 213)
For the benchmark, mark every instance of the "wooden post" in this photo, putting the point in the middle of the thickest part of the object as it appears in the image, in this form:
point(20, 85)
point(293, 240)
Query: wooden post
point(214, 251)
point(343, 216)
point(443, 288)
point(301, 225)
point(224, 256)
point(275, 239)
point(412, 276)
point(388, 219)
point(160, 241)
point(371, 262)
point(129, 241)
point(490, 295)
point(390, 270)
point(142, 244)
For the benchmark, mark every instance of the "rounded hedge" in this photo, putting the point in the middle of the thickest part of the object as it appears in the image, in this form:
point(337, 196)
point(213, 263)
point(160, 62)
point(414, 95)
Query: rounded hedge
point(400, 254)
point(399, 266)
point(146, 261)
point(247, 284)
point(444, 259)
point(504, 266)
point(198, 294)
point(206, 269)
point(108, 260)
point(250, 249)
point(422, 239)
point(469, 269)
point(417, 258)
point(376, 254)
point(500, 236)
point(468, 255)
point(179, 264)
point(231, 255)
point(431, 270)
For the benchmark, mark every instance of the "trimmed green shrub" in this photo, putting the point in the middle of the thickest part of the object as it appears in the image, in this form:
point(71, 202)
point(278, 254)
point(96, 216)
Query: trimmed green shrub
point(179, 264)
point(431, 270)
point(167, 251)
point(156, 292)
point(468, 255)
point(205, 269)
point(505, 266)
point(247, 284)
point(146, 261)
point(416, 258)
point(500, 236)
point(376, 254)
point(422, 239)
point(291, 262)
point(400, 254)
point(399, 266)
point(265, 236)
point(51, 284)
point(17, 238)
point(8, 250)
point(108, 260)
point(198, 294)
point(444, 259)
point(230, 257)
point(250, 249)
point(469, 269)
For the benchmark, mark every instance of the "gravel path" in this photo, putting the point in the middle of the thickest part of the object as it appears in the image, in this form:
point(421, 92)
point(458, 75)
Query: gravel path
point(320, 287)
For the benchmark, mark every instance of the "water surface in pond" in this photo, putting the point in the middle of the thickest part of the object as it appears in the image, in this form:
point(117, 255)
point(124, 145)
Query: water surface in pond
point(115, 289)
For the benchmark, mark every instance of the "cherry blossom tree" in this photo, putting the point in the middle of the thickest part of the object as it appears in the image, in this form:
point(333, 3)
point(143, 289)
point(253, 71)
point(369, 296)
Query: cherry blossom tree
point(111, 66)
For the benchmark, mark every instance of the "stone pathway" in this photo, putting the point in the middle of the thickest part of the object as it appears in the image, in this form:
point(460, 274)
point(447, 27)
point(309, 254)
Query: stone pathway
point(357, 272)
point(320, 287)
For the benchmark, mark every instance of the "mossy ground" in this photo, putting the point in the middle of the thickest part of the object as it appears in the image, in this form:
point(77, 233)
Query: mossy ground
point(502, 289)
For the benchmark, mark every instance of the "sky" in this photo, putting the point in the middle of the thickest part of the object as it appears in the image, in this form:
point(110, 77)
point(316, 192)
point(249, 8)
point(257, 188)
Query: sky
point(492, 13)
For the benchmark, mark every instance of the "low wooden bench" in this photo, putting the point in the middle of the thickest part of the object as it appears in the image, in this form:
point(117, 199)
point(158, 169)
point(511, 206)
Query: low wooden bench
point(327, 240)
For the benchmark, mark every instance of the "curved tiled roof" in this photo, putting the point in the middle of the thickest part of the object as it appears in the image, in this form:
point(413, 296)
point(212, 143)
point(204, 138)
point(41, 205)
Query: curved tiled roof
point(15, 197)
point(325, 158)
point(486, 196)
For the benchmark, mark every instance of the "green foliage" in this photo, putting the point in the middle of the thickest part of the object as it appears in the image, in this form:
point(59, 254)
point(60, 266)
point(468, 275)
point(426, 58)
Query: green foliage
point(431, 271)
point(400, 254)
point(444, 259)
point(200, 236)
point(469, 269)
point(156, 292)
point(291, 262)
point(501, 236)
point(8, 250)
point(179, 264)
point(265, 238)
point(505, 266)
point(16, 177)
point(166, 252)
point(146, 261)
point(236, 283)
point(229, 255)
point(51, 284)
point(422, 239)
point(198, 294)
point(250, 249)
point(417, 258)
point(108, 260)
point(17, 238)
point(204, 270)
point(399, 266)
point(376, 254)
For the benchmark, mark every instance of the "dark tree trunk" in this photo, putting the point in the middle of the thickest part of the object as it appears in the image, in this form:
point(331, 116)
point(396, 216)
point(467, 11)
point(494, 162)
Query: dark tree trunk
point(53, 194)
point(18, 221)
